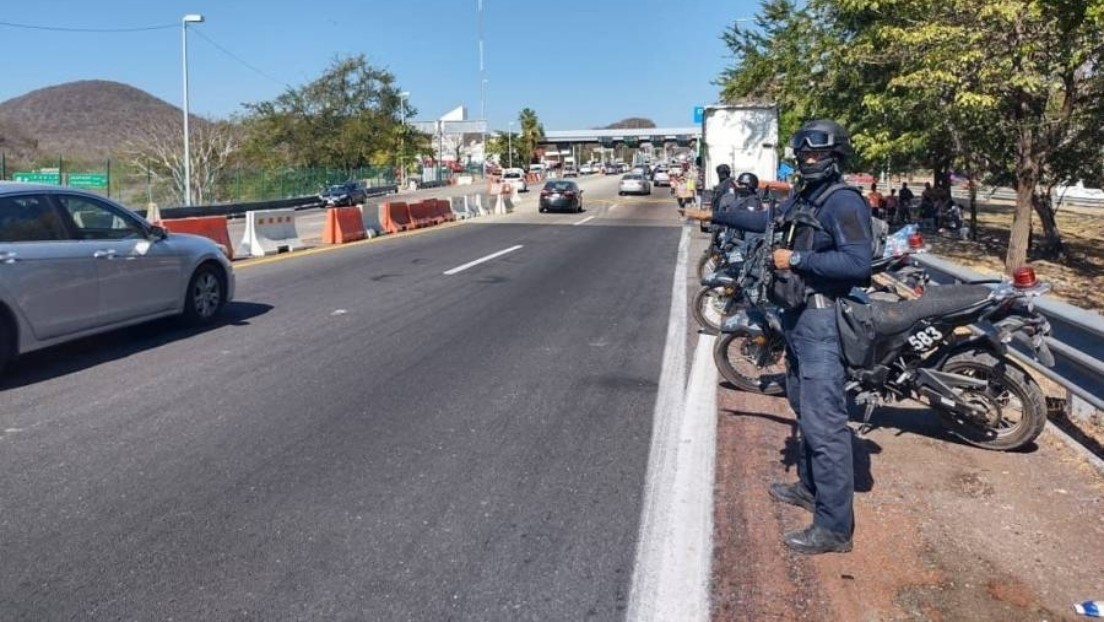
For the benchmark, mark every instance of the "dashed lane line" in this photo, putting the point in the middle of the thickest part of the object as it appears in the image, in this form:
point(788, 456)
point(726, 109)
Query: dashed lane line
point(484, 259)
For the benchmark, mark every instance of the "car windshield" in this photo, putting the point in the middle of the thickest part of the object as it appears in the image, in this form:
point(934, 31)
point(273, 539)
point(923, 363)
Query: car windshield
point(511, 175)
point(338, 189)
point(633, 177)
point(559, 186)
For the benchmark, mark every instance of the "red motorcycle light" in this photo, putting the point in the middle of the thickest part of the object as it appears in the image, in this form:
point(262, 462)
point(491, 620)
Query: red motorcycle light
point(1024, 277)
point(916, 241)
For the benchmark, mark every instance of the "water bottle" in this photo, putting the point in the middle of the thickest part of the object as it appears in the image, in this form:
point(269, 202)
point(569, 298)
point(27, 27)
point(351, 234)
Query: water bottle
point(1091, 608)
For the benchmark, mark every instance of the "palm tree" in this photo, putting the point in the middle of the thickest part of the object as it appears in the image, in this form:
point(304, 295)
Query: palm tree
point(532, 133)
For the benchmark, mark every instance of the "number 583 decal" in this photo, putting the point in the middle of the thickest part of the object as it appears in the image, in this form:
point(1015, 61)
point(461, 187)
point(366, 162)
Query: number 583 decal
point(925, 339)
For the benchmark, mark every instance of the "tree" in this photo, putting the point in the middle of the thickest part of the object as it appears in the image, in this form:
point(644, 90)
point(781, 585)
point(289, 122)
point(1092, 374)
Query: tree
point(347, 118)
point(1014, 78)
point(158, 150)
point(498, 147)
point(1005, 89)
point(532, 133)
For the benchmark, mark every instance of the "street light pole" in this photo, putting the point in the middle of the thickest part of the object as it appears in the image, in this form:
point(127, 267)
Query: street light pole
point(188, 19)
point(402, 139)
point(510, 142)
point(483, 118)
point(482, 89)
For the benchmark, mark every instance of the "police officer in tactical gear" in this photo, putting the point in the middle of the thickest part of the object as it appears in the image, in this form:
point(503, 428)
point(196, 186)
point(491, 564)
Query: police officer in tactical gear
point(747, 183)
point(828, 255)
point(732, 194)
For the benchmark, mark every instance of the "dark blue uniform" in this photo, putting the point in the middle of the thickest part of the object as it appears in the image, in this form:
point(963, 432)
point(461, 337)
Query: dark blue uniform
point(839, 259)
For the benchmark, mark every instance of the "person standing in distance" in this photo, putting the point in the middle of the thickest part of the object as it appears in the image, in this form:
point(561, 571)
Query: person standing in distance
point(821, 265)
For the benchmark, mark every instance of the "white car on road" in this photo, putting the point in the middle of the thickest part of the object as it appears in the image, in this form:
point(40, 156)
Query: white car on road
point(634, 183)
point(516, 178)
point(74, 264)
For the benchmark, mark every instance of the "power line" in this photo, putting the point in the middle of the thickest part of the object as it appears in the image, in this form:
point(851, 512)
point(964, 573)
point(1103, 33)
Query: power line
point(63, 29)
point(237, 58)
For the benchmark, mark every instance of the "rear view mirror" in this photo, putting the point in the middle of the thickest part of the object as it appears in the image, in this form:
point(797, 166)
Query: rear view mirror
point(157, 232)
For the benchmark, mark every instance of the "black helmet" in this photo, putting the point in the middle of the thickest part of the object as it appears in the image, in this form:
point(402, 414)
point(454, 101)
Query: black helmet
point(724, 171)
point(748, 180)
point(826, 136)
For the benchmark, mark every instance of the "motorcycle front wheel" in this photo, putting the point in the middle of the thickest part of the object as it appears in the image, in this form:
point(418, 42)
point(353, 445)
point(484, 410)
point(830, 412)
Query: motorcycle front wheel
point(754, 364)
point(709, 307)
point(708, 263)
point(1015, 407)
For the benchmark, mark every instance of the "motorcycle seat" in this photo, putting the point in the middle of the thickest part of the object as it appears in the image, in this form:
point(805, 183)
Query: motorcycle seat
point(891, 318)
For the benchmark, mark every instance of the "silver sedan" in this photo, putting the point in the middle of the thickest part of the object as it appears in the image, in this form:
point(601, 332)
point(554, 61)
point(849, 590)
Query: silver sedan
point(634, 183)
point(73, 264)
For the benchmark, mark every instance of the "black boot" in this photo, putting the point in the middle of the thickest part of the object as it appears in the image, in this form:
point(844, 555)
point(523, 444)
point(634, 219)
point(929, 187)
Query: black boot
point(794, 494)
point(816, 540)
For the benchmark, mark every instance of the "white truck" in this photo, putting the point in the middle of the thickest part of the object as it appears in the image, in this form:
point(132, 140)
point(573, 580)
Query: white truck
point(743, 136)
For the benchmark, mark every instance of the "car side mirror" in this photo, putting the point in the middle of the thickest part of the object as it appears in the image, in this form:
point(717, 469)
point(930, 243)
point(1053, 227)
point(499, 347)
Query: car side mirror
point(157, 232)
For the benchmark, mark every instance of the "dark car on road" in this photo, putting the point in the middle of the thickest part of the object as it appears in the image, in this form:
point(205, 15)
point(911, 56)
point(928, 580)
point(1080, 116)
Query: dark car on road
point(561, 195)
point(349, 193)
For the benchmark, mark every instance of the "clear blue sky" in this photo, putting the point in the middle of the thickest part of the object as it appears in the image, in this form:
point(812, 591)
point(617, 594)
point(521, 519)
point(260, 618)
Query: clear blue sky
point(577, 63)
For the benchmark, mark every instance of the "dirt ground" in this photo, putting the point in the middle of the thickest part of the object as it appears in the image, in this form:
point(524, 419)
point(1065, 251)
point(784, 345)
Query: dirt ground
point(1079, 281)
point(944, 531)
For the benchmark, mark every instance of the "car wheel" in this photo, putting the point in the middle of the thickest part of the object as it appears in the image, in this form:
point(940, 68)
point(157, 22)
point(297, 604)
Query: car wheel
point(620, 194)
point(542, 210)
point(205, 296)
point(7, 342)
point(579, 207)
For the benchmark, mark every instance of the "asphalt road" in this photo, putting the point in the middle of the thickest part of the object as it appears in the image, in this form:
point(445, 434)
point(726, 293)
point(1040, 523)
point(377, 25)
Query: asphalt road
point(365, 438)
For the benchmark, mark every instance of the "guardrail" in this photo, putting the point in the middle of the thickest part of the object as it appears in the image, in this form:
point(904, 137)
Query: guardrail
point(1077, 337)
point(1008, 194)
point(239, 209)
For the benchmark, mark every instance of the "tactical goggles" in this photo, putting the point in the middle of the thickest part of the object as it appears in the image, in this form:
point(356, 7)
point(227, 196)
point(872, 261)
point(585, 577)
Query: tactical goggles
point(812, 139)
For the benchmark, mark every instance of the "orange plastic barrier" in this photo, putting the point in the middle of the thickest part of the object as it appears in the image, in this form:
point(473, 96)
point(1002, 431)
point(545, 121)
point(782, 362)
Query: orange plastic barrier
point(211, 227)
point(444, 210)
point(343, 225)
point(395, 217)
point(420, 214)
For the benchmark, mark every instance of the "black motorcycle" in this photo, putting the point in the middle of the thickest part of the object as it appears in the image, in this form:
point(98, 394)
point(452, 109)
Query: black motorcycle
point(949, 347)
point(727, 290)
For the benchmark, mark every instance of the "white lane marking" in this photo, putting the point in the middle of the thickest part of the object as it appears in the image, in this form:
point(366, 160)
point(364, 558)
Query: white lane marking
point(587, 219)
point(614, 206)
point(672, 570)
point(481, 260)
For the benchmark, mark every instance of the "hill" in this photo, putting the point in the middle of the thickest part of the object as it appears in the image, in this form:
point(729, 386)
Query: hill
point(81, 120)
point(631, 123)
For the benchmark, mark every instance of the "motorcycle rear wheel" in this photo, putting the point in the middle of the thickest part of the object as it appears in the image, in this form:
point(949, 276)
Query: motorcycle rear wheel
point(756, 366)
point(1010, 391)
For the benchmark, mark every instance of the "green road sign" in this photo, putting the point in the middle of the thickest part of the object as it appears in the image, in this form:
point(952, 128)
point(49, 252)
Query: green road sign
point(88, 180)
point(37, 178)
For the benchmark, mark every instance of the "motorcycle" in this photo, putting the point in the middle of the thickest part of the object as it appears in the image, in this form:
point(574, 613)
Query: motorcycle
point(921, 349)
point(723, 292)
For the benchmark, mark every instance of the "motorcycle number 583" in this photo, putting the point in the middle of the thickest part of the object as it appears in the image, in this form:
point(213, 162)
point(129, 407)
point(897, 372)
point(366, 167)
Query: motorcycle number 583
point(925, 339)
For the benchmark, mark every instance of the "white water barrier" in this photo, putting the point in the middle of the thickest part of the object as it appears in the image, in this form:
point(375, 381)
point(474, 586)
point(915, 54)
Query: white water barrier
point(370, 215)
point(268, 232)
